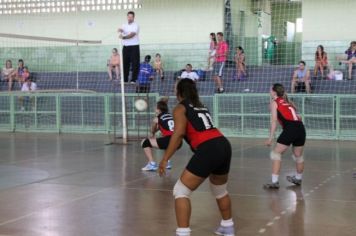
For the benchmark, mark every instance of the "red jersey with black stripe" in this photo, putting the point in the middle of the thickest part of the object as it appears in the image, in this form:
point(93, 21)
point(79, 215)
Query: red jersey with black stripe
point(200, 127)
point(286, 113)
point(165, 124)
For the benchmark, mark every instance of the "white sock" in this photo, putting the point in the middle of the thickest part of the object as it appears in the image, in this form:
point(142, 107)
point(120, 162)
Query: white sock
point(153, 163)
point(275, 178)
point(227, 223)
point(183, 231)
point(221, 89)
point(299, 176)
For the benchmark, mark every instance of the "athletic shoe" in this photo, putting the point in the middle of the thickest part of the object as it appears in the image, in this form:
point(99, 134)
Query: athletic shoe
point(294, 180)
point(271, 185)
point(132, 82)
point(151, 166)
point(221, 90)
point(169, 165)
point(225, 231)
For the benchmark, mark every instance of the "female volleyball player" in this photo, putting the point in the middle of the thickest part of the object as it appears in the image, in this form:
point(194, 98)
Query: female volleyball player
point(293, 133)
point(212, 155)
point(162, 122)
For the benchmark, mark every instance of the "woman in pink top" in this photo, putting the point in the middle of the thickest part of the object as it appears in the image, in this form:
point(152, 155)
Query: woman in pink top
point(212, 51)
point(114, 64)
point(321, 60)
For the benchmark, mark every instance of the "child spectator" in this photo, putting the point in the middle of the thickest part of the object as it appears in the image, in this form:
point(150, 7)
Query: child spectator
point(321, 61)
point(145, 76)
point(114, 64)
point(240, 63)
point(158, 66)
point(28, 86)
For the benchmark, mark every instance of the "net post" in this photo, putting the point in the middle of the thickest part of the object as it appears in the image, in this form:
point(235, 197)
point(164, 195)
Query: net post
point(123, 100)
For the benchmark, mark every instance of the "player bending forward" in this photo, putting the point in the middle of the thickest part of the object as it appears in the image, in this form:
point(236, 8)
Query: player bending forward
point(211, 159)
point(162, 122)
point(293, 133)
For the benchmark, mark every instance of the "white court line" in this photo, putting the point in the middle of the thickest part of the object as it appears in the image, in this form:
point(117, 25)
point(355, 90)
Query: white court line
point(64, 203)
point(263, 230)
point(269, 224)
point(53, 206)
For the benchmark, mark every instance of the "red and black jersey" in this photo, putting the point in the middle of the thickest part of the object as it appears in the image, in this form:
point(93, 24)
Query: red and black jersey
point(286, 113)
point(165, 124)
point(200, 126)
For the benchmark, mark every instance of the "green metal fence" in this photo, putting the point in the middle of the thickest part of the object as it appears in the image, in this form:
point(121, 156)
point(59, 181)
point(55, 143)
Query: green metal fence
point(237, 115)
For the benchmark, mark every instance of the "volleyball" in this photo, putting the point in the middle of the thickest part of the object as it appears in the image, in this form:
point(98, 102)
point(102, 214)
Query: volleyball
point(141, 104)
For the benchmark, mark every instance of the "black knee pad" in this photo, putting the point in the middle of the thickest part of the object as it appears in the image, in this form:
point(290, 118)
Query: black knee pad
point(146, 143)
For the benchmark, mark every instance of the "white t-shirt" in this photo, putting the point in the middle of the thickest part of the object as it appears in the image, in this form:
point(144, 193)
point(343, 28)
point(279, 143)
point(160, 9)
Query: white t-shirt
point(189, 75)
point(7, 71)
point(130, 28)
point(26, 88)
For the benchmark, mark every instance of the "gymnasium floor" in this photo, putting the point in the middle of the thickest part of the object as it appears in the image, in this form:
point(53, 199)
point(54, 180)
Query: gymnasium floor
point(75, 185)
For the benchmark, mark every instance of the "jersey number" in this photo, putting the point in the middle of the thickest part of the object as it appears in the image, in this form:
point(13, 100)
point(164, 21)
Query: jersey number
point(295, 117)
point(208, 122)
point(171, 125)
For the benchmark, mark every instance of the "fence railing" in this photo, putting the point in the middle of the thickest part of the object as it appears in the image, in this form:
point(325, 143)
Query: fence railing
point(237, 115)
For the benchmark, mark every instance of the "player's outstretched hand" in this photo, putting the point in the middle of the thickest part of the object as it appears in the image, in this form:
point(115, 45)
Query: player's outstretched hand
point(162, 168)
point(268, 142)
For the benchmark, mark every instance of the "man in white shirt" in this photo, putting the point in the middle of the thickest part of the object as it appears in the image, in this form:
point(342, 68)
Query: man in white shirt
point(28, 86)
point(189, 73)
point(129, 33)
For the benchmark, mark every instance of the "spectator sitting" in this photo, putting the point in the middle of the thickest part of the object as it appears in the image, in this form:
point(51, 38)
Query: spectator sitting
point(351, 57)
point(189, 73)
point(240, 63)
point(301, 76)
point(321, 61)
point(145, 76)
point(114, 64)
point(28, 86)
point(8, 73)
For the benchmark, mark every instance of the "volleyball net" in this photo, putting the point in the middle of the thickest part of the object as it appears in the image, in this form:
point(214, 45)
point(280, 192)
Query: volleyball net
point(66, 46)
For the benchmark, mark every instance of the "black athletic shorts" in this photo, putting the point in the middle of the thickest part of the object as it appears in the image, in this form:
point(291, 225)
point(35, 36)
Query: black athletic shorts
point(293, 134)
point(163, 142)
point(211, 157)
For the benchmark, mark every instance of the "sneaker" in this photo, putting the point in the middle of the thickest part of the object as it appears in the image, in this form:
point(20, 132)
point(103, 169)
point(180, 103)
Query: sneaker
point(151, 166)
point(169, 165)
point(221, 90)
point(132, 82)
point(294, 180)
point(225, 231)
point(271, 185)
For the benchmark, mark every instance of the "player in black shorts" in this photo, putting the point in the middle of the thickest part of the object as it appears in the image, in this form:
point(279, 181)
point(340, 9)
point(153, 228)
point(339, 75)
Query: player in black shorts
point(211, 159)
point(162, 122)
point(293, 134)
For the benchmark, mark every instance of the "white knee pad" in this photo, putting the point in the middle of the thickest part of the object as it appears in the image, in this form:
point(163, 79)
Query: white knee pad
point(275, 156)
point(219, 191)
point(298, 159)
point(181, 191)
